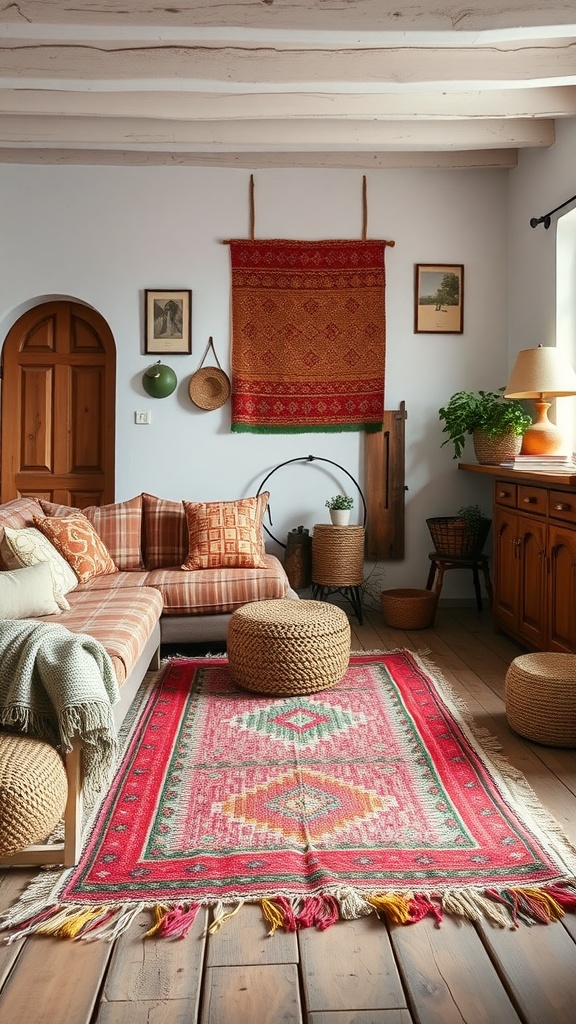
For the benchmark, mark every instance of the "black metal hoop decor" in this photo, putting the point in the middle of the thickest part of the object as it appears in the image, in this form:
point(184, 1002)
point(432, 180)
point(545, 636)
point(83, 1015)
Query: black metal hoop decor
point(308, 458)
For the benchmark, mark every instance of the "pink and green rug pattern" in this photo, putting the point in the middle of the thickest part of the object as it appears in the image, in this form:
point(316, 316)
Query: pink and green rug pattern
point(376, 796)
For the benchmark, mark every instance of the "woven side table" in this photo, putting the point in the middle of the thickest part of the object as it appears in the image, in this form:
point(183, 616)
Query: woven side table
point(338, 563)
point(540, 698)
point(33, 791)
point(288, 647)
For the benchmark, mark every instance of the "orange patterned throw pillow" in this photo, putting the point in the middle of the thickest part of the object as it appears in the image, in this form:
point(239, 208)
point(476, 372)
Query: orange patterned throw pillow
point(226, 534)
point(77, 541)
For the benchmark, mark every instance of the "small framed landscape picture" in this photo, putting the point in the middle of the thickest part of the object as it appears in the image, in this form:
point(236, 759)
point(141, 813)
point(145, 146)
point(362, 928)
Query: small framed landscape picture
point(167, 321)
point(439, 298)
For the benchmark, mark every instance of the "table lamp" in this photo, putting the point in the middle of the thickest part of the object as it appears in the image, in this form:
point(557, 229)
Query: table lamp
point(542, 373)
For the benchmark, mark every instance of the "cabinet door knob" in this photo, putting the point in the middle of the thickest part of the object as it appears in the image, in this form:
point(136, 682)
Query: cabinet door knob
point(529, 501)
point(503, 494)
point(562, 507)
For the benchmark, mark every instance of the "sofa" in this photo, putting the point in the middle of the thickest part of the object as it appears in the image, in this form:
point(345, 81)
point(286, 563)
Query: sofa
point(132, 574)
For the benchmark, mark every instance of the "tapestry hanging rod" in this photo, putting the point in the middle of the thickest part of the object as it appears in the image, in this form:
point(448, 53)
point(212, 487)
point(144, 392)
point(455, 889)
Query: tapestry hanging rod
point(389, 242)
point(545, 220)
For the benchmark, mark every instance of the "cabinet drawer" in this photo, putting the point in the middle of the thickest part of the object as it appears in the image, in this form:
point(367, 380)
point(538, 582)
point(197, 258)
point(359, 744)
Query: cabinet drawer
point(562, 505)
point(532, 499)
point(505, 493)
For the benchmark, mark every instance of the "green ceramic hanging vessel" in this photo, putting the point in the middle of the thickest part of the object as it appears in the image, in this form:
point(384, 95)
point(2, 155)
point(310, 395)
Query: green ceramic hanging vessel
point(159, 380)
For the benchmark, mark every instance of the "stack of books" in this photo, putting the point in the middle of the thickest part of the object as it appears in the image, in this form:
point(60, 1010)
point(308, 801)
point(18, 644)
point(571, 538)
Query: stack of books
point(547, 463)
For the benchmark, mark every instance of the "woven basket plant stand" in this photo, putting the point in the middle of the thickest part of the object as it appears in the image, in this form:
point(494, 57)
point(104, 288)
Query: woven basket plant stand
point(540, 698)
point(338, 563)
point(288, 647)
point(33, 792)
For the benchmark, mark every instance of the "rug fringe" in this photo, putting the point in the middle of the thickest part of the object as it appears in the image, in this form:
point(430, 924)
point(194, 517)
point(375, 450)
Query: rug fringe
point(505, 908)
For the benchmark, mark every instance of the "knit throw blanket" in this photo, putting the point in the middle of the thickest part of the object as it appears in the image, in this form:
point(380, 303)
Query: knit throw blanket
point(57, 685)
point(308, 335)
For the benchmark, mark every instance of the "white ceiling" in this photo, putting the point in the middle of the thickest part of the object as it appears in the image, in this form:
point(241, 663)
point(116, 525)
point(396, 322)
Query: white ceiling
point(297, 83)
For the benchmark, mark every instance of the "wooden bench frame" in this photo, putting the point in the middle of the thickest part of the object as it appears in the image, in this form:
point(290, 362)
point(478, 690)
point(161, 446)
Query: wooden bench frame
point(67, 852)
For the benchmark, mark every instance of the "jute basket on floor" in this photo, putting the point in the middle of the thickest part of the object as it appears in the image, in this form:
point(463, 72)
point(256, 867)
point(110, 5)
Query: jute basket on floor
point(288, 647)
point(540, 698)
point(409, 609)
point(33, 791)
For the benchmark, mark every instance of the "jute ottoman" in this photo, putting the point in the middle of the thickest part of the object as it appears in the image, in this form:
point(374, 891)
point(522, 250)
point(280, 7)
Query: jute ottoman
point(288, 647)
point(33, 791)
point(540, 698)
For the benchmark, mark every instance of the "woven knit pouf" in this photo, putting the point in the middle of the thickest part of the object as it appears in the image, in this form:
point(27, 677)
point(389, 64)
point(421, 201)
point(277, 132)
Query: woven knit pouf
point(288, 647)
point(540, 698)
point(33, 791)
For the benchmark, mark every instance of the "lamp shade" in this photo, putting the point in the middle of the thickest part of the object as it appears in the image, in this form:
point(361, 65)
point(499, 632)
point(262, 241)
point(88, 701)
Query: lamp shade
point(541, 372)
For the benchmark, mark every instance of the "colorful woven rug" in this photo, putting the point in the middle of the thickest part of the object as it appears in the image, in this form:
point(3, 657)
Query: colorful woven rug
point(308, 335)
point(376, 796)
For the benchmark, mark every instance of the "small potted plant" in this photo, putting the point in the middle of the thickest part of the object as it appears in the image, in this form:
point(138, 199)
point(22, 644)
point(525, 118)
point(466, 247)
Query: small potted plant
point(340, 506)
point(497, 424)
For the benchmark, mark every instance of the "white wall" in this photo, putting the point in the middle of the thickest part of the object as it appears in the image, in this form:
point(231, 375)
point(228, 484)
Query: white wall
point(104, 234)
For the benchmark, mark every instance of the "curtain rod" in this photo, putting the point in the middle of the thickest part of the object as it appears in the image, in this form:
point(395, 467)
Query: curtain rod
point(545, 220)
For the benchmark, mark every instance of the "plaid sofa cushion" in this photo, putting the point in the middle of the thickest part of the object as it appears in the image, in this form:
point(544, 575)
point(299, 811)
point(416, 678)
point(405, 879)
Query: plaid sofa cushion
point(214, 591)
point(121, 619)
point(165, 532)
point(119, 526)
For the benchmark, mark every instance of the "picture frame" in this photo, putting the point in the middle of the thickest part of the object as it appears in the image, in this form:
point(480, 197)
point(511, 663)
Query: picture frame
point(167, 321)
point(438, 298)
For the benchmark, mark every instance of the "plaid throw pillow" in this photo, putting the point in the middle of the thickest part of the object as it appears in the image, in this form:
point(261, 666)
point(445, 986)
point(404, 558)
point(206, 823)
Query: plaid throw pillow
point(165, 532)
point(118, 525)
point(226, 534)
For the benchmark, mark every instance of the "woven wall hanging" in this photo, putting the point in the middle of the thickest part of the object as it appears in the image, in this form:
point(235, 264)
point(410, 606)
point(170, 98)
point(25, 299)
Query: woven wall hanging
point(308, 334)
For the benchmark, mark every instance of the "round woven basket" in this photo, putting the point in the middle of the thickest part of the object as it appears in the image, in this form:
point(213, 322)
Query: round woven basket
point(288, 647)
point(540, 698)
point(209, 387)
point(491, 451)
point(453, 537)
point(33, 791)
point(409, 609)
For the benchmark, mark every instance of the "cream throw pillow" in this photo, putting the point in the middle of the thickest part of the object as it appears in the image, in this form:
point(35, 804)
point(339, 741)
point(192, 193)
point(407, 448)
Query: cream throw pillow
point(27, 592)
point(28, 546)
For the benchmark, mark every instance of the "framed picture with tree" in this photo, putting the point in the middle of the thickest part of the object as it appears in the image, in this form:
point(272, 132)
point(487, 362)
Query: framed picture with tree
point(167, 321)
point(439, 298)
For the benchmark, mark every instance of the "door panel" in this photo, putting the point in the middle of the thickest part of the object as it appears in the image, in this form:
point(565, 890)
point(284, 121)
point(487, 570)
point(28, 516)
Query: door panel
point(532, 591)
point(58, 406)
point(562, 589)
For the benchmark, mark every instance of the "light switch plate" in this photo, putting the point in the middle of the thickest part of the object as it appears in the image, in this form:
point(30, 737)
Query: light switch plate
point(142, 418)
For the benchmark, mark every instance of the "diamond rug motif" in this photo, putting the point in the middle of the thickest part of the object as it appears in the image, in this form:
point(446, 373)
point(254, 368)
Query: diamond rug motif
point(376, 796)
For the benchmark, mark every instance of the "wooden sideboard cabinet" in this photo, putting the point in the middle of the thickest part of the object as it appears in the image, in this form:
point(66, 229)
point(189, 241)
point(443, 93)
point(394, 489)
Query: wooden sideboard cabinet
point(534, 567)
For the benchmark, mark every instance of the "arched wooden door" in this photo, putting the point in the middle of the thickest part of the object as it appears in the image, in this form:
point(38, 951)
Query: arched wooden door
point(58, 406)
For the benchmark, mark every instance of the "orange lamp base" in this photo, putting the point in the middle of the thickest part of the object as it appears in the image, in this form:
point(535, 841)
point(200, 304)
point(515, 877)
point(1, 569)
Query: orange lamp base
point(543, 437)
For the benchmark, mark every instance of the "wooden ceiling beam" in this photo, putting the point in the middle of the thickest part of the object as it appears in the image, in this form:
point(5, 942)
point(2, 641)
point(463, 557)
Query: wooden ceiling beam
point(274, 134)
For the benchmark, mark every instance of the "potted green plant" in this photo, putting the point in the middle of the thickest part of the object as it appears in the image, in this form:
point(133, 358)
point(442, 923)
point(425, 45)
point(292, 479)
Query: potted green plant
point(497, 424)
point(340, 506)
point(462, 535)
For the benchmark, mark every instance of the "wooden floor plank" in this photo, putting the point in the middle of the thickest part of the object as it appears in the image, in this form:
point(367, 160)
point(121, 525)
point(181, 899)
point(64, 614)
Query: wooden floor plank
point(12, 883)
point(539, 965)
point(156, 969)
point(241, 995)
point(167, 1011)
point(361, 1017)
point(55, 980)
point(449, 976)
point(350, 967)
point(245, 940)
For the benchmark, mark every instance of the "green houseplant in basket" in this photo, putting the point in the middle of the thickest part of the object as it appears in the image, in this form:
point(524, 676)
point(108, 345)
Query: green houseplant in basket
point(462, 535)
point(497, 424)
